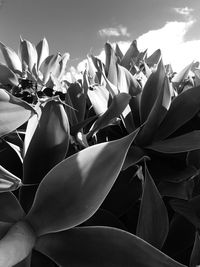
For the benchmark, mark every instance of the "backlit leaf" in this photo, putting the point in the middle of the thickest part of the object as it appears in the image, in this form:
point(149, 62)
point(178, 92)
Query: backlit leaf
point(102, 246)
point(11, 58)
point(8, 181)
point(75, 188)
point(42, 51)
point(7, 76)
point(13, 112)
point(117, 106)
point(130, 54)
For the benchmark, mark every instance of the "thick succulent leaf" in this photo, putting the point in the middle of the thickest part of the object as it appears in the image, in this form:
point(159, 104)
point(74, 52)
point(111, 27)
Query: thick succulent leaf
point(28, 54)
point(7, 76)
point(151, 228)
point(130, 54)
point(181, 110)
point(13, 112)
point(111, 64)
point(135, 154)
point(50, 66)
point(126, 82)
point(117, 106)
point(180, 190)
point(78, 100)
point(182, 143)
point(75, 188)
point(195, 255)
point(180, 77)
point(99, 97)
point(42, 51)
point(63, 64)
point(156, 115)
point(11, 58)
point(118, 52)
point(8, 181)
point(101, 246)
point(151, 91)
point(48, 146)
point(11, 210)
point(154, 59)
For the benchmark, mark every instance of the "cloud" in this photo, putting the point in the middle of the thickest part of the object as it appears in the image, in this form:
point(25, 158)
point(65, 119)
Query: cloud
point(170, 39)
point(185, 11)
point(114, 32)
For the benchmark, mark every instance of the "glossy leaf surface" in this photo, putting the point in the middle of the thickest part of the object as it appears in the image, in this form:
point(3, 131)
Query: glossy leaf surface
point(101, 246)
point(75, 188)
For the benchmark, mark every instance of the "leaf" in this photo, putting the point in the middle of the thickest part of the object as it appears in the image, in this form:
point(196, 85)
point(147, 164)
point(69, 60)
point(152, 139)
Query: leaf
point(154, 59)
point(8, 181)
point(151, 228)
point(195, 255)
point(63, 65)
point(99, 97)
point(11, 58)
point(151, 91)
point(48, 146)
point(75, 188)
point(78, 100)
point(28, 54)
point(11, 210)
point(130, 54)
point(42, 51)
point(126, 82)
point(179, 79)
point(110, 66)
point(182, 143)
point(156, 115)
point(50, 66)
point(4, 227)
point(13, 112)
point(117, 106)
point(101, 246)
point(182, 109)
point(7, 76)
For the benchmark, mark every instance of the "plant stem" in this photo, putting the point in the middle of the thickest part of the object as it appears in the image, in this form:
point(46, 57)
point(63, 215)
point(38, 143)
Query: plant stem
point(17, 244)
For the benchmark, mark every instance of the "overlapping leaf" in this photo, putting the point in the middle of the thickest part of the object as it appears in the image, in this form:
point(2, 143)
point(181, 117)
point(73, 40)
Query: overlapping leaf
point(13, 112)
point(42, 51)
point(11, 211)
point(75, 188)
point(151, 228)
point(101, 246)
point(7, 76)
point(195, 256)
point(182, 143)
point(11, 58)
point(181, 110)
point(117, 106)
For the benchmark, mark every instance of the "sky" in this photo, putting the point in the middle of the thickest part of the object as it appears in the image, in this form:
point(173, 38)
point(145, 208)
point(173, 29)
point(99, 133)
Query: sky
point(82, 27)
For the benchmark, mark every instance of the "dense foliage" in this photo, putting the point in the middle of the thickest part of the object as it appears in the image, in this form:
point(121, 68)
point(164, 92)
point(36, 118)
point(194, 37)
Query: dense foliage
point(99, 171)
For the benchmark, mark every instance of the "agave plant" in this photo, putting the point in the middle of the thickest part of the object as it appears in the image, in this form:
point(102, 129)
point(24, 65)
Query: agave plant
point(33, 69)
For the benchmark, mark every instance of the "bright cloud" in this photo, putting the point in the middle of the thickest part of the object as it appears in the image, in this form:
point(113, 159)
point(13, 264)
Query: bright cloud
point(186, 11)
point(114, 32)
point(170, 39)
